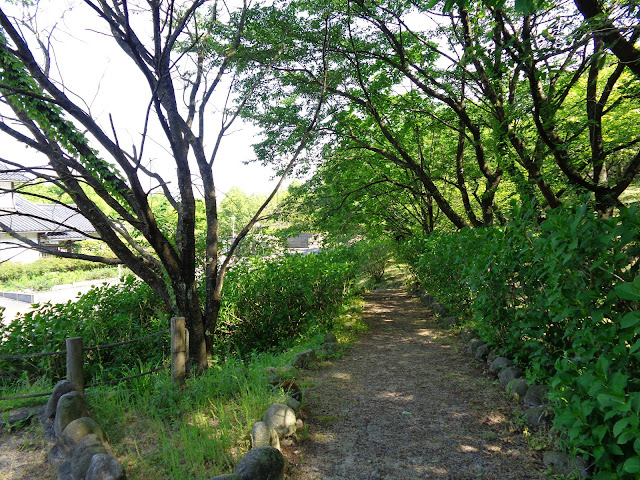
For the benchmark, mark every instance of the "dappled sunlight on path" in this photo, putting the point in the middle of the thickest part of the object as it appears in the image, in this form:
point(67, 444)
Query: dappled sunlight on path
point(404, 403)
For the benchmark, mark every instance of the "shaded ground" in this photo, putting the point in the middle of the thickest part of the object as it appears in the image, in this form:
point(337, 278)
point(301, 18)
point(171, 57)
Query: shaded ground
point(405, 403)
point(23, 455)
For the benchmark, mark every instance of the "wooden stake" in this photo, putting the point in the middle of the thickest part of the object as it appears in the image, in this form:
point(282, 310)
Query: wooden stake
point(178, 351)
point(75, 359)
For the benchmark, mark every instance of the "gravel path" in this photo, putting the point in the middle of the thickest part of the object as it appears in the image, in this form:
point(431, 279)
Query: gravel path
point(405, 403)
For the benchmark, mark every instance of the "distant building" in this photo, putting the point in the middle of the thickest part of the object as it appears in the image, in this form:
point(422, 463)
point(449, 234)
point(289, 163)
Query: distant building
point(52, 225)
point(304, 243)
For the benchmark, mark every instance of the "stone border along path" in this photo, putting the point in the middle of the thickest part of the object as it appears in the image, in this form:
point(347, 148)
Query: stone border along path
point(407, 402)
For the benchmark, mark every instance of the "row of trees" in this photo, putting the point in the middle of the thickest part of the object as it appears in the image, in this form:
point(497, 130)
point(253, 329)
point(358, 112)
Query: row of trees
point(416, 115)
point(445, 114)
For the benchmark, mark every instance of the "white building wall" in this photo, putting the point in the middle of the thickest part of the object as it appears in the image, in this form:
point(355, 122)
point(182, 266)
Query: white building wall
point(13, 251)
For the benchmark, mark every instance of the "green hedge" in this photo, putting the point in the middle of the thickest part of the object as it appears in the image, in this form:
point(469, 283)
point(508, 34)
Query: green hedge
point(269, 302)
point(12, 270)
point(562, 297)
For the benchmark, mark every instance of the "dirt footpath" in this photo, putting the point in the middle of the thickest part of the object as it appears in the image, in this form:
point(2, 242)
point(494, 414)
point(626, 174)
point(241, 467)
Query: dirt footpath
point(404, 403)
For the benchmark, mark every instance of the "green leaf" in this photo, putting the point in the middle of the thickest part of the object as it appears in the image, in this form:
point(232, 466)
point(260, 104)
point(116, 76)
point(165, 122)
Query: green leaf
point(632, 465)
point(628, 291)
point(605, 400)
point(620, 426)
point(618, 382)
point(599, 432)
point(630, 320)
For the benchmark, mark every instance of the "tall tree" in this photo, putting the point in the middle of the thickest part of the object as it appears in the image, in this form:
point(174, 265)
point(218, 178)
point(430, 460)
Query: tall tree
point(184, 51)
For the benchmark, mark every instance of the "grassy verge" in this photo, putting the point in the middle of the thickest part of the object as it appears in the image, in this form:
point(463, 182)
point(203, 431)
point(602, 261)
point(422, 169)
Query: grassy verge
point(48, 280)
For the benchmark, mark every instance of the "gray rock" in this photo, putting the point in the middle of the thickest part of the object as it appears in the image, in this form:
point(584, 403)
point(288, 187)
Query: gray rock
point(538, 416)
point(473, 345)
point(517, 387)
point(274, 380)
point(448, 322)
point(438, 310)
point(104, 467)
point(491, 356)
point(228, 476)
point(328, 348)
point(71, 406)
point(304, 359)
point(428, 299)
point(564, 464)
point(62, 387)
point(509, 373)
point(330, 338)
point(293, 403)
point(83, 453)
point(263, 463)
point(79, 428)
point(481, 352)
point(286, 369)
point(468, 335)
point(499, 363)
point(264, 436)
point(535, 395)
point(271, 370)
point(18, 418)
point(281, 418)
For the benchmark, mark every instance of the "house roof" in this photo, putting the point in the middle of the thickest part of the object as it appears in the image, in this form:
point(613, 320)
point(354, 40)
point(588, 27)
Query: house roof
point(12, 174)
point(50, 218)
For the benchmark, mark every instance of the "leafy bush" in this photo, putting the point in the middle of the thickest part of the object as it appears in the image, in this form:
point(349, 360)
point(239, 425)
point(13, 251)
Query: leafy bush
point(563, 298)
point(269, 302)
point(105, 314)
point(439, 261)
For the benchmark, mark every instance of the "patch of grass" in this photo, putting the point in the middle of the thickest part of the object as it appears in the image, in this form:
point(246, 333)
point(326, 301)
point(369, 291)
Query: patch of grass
point(25, 387)
point(48, 280)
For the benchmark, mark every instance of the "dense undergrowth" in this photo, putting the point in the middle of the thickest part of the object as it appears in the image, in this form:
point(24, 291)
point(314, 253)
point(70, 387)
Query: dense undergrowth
point(562, 297)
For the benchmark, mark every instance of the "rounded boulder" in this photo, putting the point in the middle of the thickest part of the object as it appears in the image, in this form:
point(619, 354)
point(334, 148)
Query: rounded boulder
point(263, 463)
point(281, 418)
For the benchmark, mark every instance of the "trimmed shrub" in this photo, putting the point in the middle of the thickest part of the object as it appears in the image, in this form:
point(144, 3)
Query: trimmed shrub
point(105, 314)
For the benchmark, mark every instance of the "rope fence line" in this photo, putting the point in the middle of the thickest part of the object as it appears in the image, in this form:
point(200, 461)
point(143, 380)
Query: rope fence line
point(31, 395)
point(76, 370)
point(32, 355)
point(97, 347)
point(118, 380)
point(126, 342)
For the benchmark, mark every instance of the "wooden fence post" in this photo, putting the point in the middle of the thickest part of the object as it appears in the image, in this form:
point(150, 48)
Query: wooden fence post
point(178, 350)
point(75, 359)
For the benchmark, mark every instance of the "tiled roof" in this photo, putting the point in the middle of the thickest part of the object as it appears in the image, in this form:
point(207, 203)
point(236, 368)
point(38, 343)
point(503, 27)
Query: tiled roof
point(44, 218)
point(12, 174)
